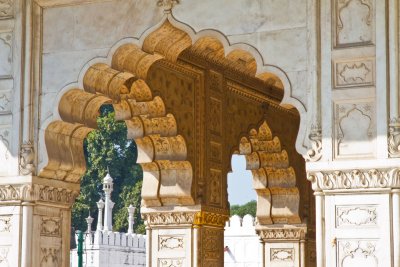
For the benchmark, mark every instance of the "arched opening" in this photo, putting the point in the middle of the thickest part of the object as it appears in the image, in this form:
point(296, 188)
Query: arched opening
point(186, 105)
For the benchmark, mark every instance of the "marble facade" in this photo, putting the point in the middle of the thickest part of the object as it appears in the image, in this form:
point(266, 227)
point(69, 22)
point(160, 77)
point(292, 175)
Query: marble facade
point(308, 90)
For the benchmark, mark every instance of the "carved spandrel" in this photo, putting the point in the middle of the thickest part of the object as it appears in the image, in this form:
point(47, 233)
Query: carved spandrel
point(354, 22)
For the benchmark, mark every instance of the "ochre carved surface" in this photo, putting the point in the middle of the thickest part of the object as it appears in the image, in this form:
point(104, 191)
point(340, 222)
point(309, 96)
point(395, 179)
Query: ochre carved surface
point(273, 178)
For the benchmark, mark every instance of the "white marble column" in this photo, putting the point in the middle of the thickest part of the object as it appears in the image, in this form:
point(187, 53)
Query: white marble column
point(27, 231)
point(396, 227)
point(131, 218)
point(319, 228)
point(100, 206)
point(108, 188)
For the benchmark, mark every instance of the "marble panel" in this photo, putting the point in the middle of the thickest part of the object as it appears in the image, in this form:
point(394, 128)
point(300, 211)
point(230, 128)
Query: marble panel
point(244, 16)
point(96, 25)
point(6, 54)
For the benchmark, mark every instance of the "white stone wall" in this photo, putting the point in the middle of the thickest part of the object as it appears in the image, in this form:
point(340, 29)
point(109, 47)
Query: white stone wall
point(112, 249)
point(242, 244)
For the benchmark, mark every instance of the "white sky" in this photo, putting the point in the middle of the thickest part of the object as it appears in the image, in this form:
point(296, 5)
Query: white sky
point(240, 182)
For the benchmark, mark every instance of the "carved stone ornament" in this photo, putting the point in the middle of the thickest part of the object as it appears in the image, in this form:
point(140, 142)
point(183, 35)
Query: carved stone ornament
point(168, 5)
point(315, 152)
point(27, 158)
point(282, 254)
point(283, 233)
point(394, 138)
point(356, 216)
point(37, 192)
point(4, 250)
point(355, 179)
point(6, 8)
point(5, 224)
point(169, 218)
point(170, 242)
point(50, 226)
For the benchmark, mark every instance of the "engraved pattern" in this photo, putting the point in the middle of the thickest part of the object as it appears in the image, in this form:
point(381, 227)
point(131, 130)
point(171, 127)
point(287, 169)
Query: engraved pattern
point(354, 73)
point(394, 138)
point(215, 116)
point(356, 216)
point(354, 179)
point(27, 158)
point(315, 152)
point(283, 234)
point(50, 226)
point(6, 65)
point(4, 250)
point(357, 253)
point(6, 9)
point(170, 242)
point(215, 186)
point(178, 262)
point(354, 122)
point(354, 22)
point(5, 102)
point(282, 254)
point(50, 257)
point(5, 224)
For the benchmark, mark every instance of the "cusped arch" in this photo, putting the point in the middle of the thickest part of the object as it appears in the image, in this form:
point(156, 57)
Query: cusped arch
point(274, 179)
point(162, 151)
point(120, 82)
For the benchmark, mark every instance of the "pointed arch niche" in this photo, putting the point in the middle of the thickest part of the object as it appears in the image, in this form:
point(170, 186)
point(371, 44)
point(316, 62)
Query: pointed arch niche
point(188, 100)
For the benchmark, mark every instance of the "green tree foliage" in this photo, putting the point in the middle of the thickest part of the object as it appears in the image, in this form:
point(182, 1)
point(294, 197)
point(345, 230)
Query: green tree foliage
point(108, 147)
point(242, 210)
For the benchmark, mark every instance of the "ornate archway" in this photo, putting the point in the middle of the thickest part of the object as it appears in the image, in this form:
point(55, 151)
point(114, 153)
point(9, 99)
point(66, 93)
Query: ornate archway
point(187, 104)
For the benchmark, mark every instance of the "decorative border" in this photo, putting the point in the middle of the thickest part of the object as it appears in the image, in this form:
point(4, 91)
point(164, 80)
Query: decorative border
point(355, 179)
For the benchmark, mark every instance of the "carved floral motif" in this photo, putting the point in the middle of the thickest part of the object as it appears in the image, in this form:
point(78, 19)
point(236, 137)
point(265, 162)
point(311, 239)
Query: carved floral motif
point(5, 224)
point(50, 226)
point(282, 233)
point(177, 262)
point(282, 254)
point(170, 242)
point(167, 4)
point(356, 216)
point(4, 250)
point(169, 218)
point(6, 8)
point(357, 253)
point(355, 179)
point(27, 158)
point(394, 138)
point(50, 257)
point(354, 73)
point(6, 52)
point(315, 152)
point(37, 192)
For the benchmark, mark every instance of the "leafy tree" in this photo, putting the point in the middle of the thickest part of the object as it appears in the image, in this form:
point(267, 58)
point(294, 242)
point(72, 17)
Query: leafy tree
point(242, 210)
point(108, 148)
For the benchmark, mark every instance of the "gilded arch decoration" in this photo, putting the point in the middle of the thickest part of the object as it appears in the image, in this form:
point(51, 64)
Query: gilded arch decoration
point(186, 103)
